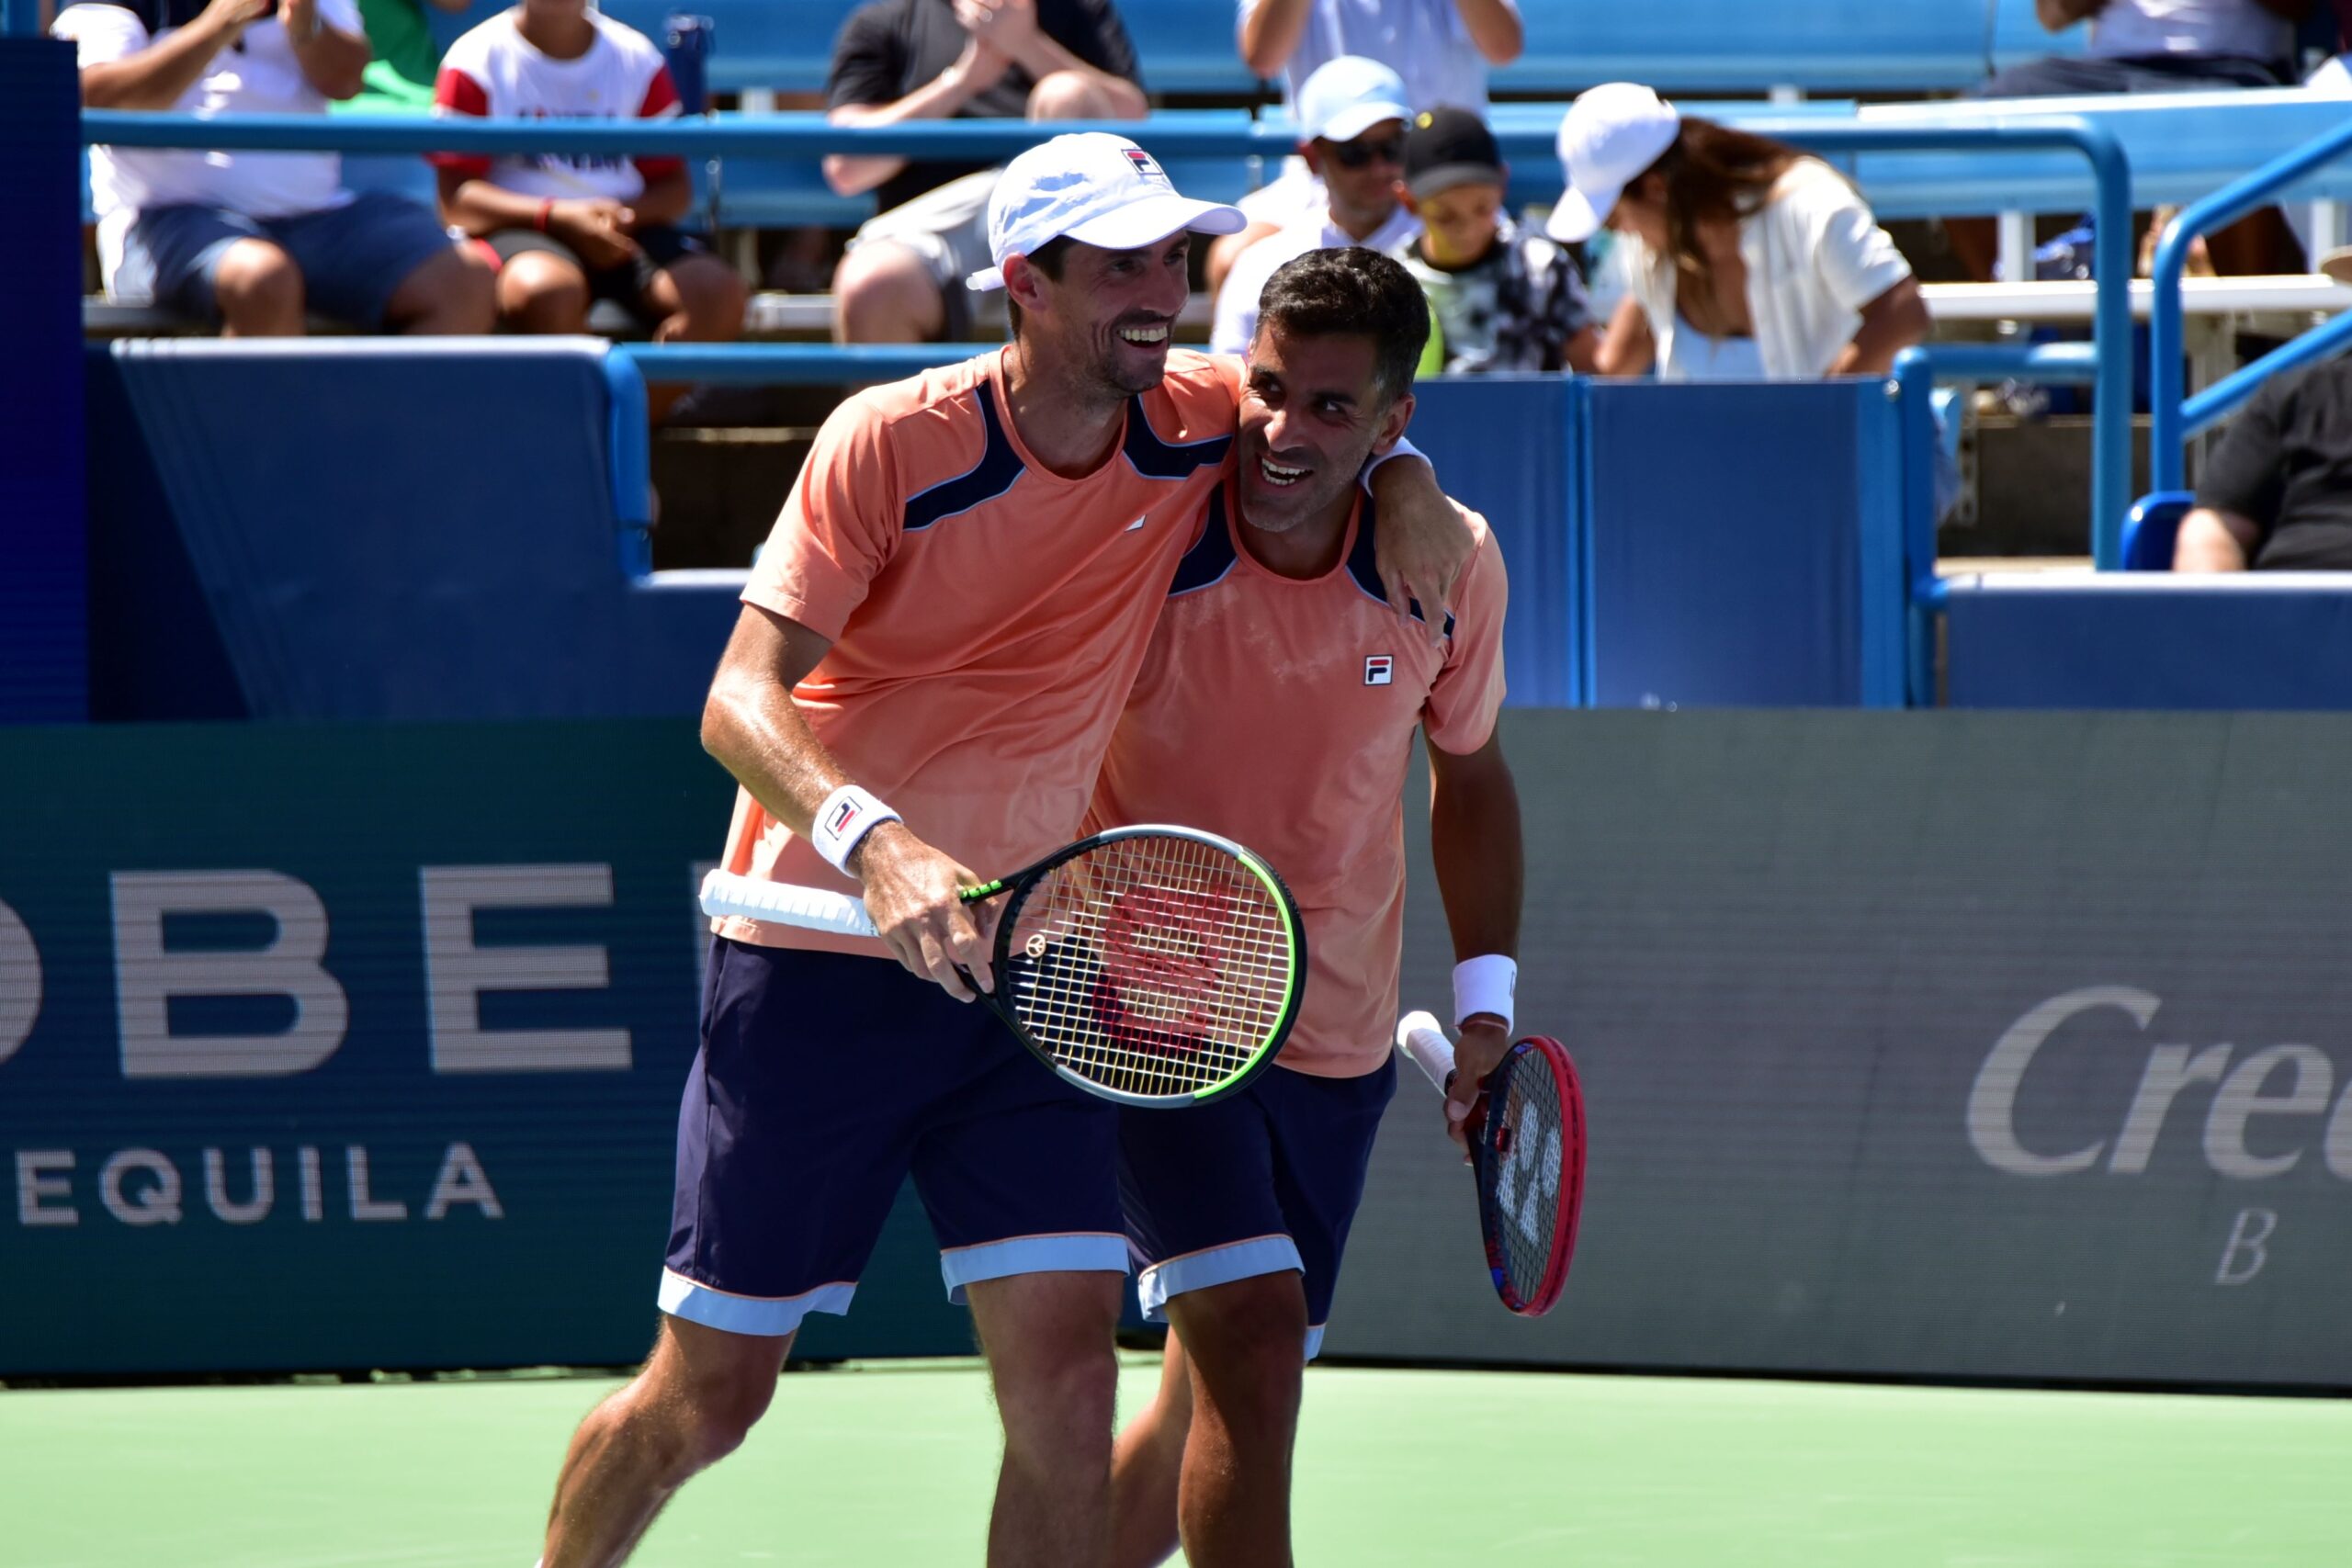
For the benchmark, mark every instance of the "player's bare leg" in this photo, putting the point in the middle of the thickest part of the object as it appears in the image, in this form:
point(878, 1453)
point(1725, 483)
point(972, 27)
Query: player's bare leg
point(1247, 1343)
point(1146, 1465)
point(1051, 1359)
point(699, 1393)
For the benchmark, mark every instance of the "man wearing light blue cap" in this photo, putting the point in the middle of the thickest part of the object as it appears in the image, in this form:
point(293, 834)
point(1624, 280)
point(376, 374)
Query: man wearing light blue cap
point(1352, 132)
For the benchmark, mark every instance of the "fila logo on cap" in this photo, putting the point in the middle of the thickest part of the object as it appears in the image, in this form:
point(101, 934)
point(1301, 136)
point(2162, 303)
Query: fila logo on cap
point(1145, 164)
point(1378, 669)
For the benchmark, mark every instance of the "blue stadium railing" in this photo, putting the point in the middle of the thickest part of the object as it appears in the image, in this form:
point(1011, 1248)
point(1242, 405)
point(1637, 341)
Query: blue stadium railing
point(2174, 416)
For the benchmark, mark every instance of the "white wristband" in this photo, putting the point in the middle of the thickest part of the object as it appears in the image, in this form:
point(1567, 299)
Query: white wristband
point(847, 816)
point(1488, 984)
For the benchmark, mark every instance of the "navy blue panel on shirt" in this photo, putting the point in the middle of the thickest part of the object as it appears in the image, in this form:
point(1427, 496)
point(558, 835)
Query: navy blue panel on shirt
point(1211, 557)
point(1157, 459)
point(999, 466)
point(1363, 565)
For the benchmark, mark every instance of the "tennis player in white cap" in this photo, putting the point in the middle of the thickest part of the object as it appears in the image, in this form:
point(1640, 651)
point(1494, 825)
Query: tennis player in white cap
point(932, 654)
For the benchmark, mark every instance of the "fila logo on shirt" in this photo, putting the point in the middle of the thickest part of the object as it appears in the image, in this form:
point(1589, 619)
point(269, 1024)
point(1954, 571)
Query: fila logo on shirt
point(1145, 164)
point(1379, 670)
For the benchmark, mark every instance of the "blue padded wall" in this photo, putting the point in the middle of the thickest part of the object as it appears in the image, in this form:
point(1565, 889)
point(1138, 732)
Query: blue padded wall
point(2134, 640)
point(372, 530)
point(1728, 536)
point(44, 673)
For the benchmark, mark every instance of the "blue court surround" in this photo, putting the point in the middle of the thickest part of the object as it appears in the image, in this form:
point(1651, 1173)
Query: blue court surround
point(44, 671)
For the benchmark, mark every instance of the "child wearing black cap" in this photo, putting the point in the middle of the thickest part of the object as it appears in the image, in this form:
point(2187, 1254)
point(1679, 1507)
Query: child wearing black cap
point(1501, 297)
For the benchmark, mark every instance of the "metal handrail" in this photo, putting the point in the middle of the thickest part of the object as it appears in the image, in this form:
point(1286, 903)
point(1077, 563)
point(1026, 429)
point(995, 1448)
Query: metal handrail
point(2173, 418)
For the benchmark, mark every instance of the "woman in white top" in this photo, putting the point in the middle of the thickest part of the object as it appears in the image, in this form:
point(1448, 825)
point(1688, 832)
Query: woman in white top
point(1745, 259)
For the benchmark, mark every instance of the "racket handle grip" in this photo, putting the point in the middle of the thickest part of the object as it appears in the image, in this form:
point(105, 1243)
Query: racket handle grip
point(1419, 1037)
point(725, 895)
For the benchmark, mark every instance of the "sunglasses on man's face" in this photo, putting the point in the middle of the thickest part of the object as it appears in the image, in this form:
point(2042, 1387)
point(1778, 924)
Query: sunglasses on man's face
point(1356, 154)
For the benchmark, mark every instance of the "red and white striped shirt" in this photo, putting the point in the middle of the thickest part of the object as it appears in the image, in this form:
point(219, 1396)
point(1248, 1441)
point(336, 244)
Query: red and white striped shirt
point(494, 71)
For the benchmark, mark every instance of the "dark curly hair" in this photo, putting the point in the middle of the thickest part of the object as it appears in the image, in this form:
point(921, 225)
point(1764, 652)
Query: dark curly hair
point(1355, 291)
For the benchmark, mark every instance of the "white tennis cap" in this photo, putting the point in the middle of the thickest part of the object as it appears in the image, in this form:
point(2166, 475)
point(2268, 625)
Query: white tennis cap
point(1093, 187)
point(1611, 134)
point(1343, 98)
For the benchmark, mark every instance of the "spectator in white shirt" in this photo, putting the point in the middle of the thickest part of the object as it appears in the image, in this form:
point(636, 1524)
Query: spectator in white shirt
point(2159, 46)
point(1746, 259)
point(254, 241)
point(1441, 47)
point(569, 230)
point(1354, 141)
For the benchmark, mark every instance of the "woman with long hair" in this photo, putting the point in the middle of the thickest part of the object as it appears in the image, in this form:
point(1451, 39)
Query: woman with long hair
point(1745, 259)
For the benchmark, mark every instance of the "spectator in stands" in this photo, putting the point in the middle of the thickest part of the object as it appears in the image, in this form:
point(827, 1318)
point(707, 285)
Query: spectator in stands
point(566, 229)
point(254, 241)
point(2159, 46)
point(1500, 298)
point(2276, 493)
point(902, 280)
point(1353, 117)
point(1441, 48)
point(1746, 259)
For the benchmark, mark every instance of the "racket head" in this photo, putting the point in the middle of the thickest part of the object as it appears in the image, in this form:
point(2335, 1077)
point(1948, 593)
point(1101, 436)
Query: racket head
point(1527, 1149)
point(1154, 965)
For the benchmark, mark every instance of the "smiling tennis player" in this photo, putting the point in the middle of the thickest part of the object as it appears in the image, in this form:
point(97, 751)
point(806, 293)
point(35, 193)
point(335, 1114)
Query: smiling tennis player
point(947, 619)
point(1276, 651)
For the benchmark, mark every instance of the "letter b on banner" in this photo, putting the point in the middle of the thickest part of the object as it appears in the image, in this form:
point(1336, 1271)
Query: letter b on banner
point(2247, 1249)
point(147, 976)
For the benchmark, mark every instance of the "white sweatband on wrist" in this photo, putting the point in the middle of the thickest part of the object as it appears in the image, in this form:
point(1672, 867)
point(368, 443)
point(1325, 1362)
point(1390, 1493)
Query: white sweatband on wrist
point(1487, 984)
point(847, 816)
point(1403, 449)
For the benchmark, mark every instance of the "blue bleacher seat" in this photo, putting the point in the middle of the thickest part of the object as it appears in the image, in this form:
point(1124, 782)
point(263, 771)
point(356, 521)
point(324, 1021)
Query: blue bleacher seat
point(1740, 45)
point(785, 46)
point(2151, 527)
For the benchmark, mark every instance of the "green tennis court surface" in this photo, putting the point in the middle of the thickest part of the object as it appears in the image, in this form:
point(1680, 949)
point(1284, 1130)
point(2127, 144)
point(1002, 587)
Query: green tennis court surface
point(888, 1464)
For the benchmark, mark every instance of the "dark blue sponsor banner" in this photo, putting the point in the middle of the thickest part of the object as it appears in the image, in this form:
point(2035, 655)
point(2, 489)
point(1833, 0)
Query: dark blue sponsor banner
point(328, 1046)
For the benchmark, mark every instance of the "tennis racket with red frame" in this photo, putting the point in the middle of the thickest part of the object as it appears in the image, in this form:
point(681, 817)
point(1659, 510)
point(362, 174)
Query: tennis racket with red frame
point(1526, 1137)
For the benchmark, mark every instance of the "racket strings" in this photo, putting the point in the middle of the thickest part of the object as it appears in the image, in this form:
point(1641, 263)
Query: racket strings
point(1527, 1180)
point(1154, 965)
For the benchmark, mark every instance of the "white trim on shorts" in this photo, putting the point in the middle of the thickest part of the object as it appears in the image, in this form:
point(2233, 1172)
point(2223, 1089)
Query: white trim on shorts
point(1215, 1265)
point(1092, 1252)
point(770, 1315)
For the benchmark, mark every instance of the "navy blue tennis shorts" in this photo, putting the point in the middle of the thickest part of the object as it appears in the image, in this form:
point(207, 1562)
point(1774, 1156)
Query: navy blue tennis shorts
point(1261, 1181)
point(823, 1080)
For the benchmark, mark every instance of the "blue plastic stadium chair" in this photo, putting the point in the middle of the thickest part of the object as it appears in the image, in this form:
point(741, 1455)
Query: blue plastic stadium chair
point(2150, 528)
point(1685, 45)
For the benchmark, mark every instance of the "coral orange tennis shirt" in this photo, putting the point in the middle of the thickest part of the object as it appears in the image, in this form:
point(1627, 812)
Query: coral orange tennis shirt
point(987, 616)
point(1280, 713)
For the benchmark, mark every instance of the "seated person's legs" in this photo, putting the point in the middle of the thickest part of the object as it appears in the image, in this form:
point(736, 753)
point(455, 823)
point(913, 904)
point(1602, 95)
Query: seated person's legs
point(542, 286)
point(696, 297)
point(382, 262)
point(1073, 94)
point(216, 266)
point(902, 278)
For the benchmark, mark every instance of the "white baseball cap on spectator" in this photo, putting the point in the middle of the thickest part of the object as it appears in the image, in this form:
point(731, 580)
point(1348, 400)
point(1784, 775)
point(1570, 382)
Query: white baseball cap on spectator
point(1093, 187)
point(1611, 134)
point(1347, 96)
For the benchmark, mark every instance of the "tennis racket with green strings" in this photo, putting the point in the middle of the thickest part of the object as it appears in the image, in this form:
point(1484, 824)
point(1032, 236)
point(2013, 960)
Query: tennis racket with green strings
point(1153, 965)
